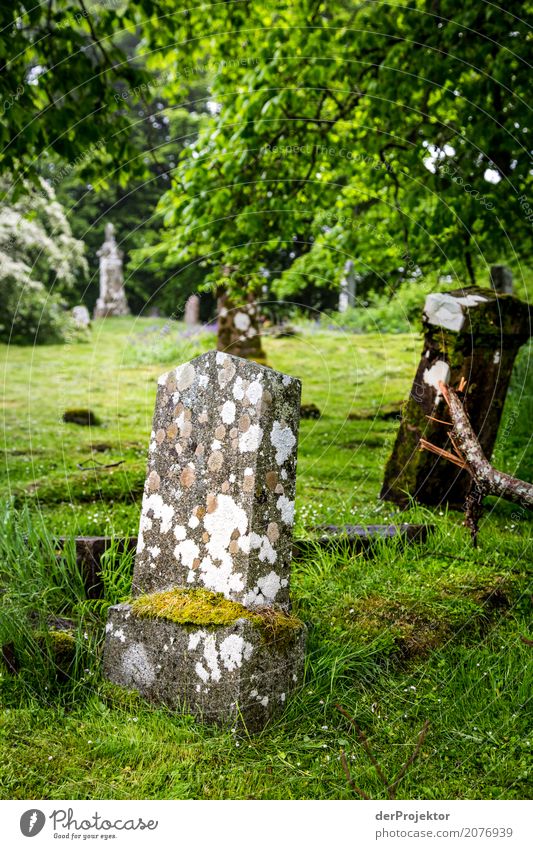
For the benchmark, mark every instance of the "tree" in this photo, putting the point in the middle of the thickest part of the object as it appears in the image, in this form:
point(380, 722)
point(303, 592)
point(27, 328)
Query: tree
point(40, 263)
point(396, 135)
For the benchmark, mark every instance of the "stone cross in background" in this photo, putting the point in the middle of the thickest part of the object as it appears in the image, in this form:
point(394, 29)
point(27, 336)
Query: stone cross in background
point(470, 333)
point(348, 287)
point(192, 311)
point(217, 518)
point(501, 279)
point(112, 300)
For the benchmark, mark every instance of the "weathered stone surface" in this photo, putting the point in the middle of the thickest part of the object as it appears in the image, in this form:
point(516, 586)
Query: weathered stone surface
point(348, 287)
point(192, 311)
point(238, 329)
point(112, 299)
point(218, 504)
point(470, 333)
point(228, 674)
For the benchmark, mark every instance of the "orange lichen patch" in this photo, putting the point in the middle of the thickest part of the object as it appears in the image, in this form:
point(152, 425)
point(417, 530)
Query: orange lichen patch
point(153, 481)
point(178, 409)
point(234, 433)
point(220, 432)
point(205, 537)
point(171, 384)
point(172, 431)
point(225, 486)
point(244, 422)
point(279, 489)
point(188, 476)
point(200, 512)
point(248, 483)
point(215, 461)
point(212, 503)
point(160, 435)
point(271, 480)
point(233, 547)
point(273, 532)
point(203, 417)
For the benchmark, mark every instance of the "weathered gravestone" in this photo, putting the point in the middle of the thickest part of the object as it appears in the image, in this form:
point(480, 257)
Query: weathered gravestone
point(192, 311)
point(347, 287)
point(81, 317)
point(112, 299)
point(209, 627)
point(501, 279)
point(238, 329)
point(470, 333)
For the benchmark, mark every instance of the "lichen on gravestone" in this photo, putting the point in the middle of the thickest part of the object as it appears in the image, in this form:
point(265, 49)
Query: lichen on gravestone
point(218, 505)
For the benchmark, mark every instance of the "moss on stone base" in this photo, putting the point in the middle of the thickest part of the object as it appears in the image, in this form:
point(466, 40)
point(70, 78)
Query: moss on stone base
point(208, 609)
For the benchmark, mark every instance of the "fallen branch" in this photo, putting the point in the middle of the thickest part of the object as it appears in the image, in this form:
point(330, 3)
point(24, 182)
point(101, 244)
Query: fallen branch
point(469, 455)
point(98, 467)
point(390, 786)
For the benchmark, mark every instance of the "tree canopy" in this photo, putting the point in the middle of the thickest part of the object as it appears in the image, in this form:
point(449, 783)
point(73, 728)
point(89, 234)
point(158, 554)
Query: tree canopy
point(393, 134)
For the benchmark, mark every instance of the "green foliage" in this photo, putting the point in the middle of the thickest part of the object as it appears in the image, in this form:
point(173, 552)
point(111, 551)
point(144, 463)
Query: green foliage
point(334, 136)
point(40, 261)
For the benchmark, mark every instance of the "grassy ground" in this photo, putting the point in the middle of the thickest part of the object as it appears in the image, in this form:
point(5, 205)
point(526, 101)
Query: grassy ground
point(430, 632)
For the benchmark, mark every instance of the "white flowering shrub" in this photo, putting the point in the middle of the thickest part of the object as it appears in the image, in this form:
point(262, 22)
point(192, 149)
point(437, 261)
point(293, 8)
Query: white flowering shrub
point(40, 263)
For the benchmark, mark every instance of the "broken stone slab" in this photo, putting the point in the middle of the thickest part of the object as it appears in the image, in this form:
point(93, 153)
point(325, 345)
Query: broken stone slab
point(192, 311)
point(229, 675)
point(218, 505)
point(501, 279)
point(360, 537)
point(470, 333)
point(89, 552)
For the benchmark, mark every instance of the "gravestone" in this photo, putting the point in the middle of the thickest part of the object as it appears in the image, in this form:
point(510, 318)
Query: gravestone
point(501, 279)
point(215, 534)
point(348, 287)
point(112, 299)
point(470, 333)
point(192, 311)
point(238, 328)
point(81, 317)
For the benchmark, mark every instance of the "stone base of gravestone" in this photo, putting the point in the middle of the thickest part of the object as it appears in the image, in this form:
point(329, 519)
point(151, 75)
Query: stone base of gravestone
point(472, 334)
point(234, 674)
point(238, 329)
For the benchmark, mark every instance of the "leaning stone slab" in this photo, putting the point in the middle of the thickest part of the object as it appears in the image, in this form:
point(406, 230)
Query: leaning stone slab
point(218, 504)
point(361, 538)
point(470, 333)
point(236, 673)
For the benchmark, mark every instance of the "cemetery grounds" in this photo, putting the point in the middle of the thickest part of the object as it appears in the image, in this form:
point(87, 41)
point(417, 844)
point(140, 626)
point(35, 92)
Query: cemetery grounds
point(437, 632)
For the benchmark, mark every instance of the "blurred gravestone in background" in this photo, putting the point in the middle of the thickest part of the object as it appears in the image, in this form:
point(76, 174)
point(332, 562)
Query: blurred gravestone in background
point(112, 300)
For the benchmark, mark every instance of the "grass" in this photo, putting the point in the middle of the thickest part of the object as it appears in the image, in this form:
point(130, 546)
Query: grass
point(411, 633)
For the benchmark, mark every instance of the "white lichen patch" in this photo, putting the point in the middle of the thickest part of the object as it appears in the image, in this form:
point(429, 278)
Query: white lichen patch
point(228, 412)
point(185, 375)
point(283, 440)
point(446, 310)
point(286, 508)
point(254, 393)
point(496, 357)
point(136, 666)
point(187, 551)
point(232, 651)
point(251, 439)
point(164, 512)
point(438, 373)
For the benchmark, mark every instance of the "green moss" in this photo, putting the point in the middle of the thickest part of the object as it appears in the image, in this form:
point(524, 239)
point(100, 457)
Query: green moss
point(208, 609)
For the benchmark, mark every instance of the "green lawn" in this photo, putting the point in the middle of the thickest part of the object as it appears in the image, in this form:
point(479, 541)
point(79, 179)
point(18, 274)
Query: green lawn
point(428, 632)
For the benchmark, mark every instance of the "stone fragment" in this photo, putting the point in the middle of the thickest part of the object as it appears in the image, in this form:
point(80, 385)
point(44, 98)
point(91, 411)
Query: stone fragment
point(470, 333)
point(501, 279)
